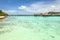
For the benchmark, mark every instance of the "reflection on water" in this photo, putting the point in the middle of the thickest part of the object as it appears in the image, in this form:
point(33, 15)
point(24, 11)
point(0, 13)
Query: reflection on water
point(30, 28)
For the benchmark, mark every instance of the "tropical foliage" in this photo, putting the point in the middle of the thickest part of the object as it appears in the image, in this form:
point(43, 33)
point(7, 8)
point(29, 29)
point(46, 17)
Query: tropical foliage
point(3, 13)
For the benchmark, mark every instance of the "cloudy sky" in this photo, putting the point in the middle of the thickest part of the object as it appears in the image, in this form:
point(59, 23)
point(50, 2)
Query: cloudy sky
point(13, 7)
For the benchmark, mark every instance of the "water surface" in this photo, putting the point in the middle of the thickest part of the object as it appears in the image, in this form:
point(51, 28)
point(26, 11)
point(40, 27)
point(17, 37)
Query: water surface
point(30, 28)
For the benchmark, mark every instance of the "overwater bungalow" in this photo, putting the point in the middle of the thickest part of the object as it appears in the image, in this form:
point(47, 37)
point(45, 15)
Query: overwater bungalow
point(37, 14)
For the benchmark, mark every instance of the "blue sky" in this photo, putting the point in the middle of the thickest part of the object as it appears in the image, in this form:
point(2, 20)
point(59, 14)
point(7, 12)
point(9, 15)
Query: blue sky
point(27, 6)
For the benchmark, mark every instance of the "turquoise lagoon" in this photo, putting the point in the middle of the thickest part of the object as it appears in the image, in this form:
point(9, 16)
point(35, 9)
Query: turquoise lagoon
point(30, 28)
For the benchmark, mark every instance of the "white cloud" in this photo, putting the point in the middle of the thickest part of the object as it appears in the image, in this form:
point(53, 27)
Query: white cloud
point(26, 8)
point(9, 11)
point(22, 7)
point(42, 7)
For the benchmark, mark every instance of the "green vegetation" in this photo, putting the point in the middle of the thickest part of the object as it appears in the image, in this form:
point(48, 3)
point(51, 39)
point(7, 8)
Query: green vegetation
point(3, 13)
point(55, 13)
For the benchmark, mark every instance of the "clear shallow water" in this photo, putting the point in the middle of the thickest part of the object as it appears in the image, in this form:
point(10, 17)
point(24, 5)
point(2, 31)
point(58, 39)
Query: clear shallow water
point(30, 28)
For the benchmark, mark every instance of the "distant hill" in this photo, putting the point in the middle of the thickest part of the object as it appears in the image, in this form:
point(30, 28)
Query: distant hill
point(3, 13)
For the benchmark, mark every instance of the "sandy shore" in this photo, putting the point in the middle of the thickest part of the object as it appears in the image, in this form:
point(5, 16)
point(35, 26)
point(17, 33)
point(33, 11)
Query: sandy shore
point(2, 17)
